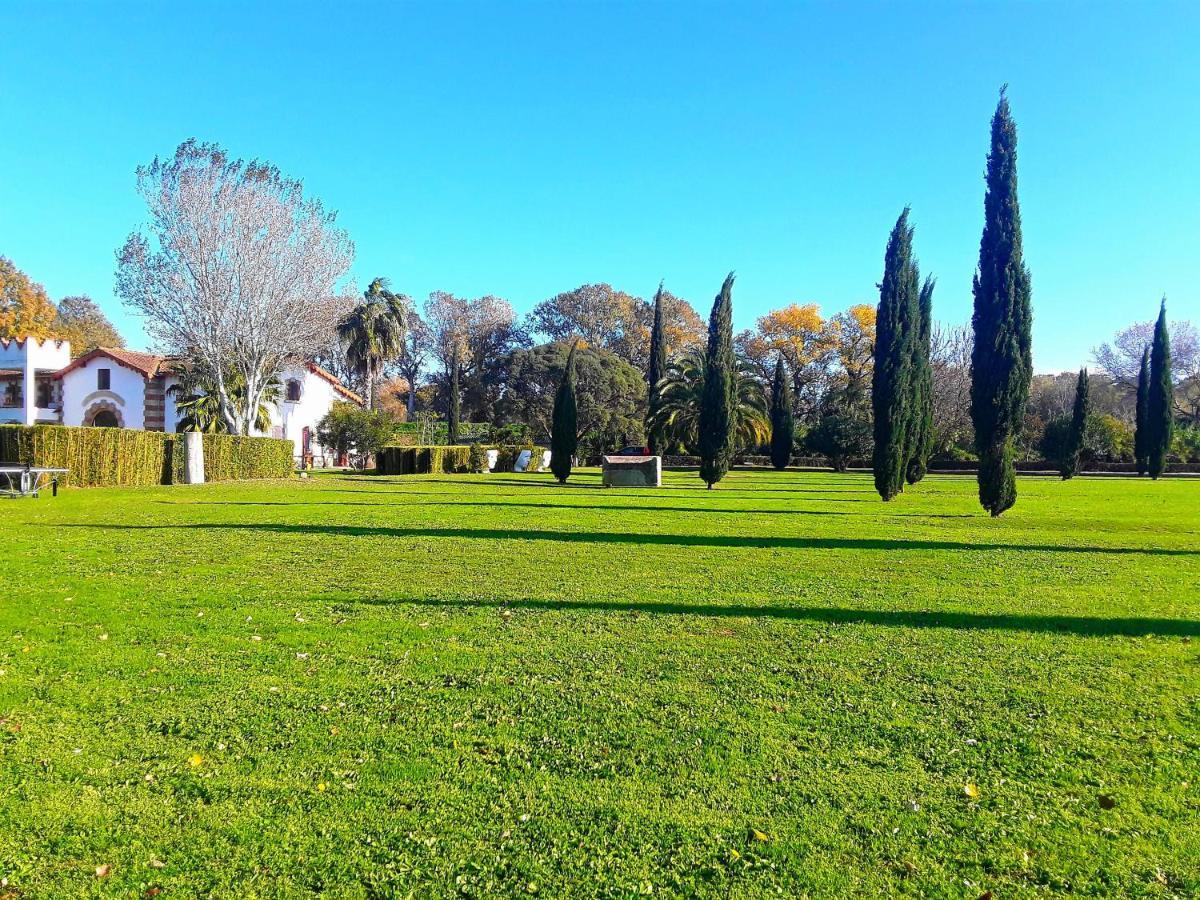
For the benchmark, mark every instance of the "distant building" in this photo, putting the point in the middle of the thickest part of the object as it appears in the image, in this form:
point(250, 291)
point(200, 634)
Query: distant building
point(110, 388)
point(29, 392)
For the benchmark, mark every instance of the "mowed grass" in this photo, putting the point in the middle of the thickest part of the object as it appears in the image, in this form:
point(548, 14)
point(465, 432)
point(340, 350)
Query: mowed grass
point(491, 685)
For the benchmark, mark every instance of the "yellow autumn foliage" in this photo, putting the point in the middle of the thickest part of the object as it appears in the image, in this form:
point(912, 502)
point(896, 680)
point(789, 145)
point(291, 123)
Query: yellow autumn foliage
point(25, 310)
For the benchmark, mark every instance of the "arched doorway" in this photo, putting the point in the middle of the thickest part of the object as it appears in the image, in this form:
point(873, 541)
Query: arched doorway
point(105, 418)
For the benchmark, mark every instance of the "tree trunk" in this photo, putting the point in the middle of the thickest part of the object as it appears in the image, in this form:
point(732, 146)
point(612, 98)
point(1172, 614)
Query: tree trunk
point(370, 388)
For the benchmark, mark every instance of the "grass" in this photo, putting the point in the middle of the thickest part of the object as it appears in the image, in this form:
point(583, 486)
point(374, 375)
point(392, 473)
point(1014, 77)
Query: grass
point(491, 685)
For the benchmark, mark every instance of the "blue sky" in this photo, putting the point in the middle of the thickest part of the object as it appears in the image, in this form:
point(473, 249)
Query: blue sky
point(523, 149)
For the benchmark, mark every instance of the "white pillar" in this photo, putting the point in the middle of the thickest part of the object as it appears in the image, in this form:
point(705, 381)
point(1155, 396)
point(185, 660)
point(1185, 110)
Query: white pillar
point(193, 457)
point(29, 383)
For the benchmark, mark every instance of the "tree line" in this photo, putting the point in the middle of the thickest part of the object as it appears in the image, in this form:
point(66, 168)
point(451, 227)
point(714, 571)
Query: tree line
point(237, 268)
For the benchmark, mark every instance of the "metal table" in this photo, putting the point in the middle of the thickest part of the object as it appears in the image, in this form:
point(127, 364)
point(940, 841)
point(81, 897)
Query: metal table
point(28, 481)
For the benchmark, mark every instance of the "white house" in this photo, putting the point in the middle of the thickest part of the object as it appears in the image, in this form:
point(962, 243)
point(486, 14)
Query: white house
point(28, 389)
point(110, 388)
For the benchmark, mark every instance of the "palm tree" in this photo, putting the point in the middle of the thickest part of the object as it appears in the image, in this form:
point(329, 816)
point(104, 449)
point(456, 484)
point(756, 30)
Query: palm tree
point(679, 395)
point(372, 334)
point(199, 404)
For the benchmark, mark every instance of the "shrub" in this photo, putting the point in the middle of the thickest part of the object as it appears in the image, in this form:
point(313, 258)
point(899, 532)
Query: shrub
point(232, 457)
point(438, 460)
point(102, 457)
point(346, 427)
point(477, 460)
point(840, 437)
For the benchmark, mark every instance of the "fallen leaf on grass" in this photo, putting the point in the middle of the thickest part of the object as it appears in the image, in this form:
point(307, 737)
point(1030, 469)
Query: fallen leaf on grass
point(103, 870)
point(157, 864)
point(758, 835)
point(153, 891)
point(195, 760)
point(971, 790)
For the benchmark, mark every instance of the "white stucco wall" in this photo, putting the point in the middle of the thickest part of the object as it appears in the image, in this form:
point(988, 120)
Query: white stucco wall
point(32, 356)
point(127, 392)
point(317, 396)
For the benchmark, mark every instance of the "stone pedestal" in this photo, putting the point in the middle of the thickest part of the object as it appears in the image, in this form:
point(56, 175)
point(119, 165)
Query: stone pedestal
point(632, 471)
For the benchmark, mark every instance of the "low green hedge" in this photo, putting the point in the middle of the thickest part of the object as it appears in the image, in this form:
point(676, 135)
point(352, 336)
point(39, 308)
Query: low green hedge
point(439, 460)
point(105, 457)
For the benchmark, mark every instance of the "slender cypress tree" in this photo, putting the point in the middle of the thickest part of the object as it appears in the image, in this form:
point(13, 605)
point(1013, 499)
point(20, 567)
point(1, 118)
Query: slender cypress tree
point(921, 444)
point(455, 399)
point(715, 430)
point(783, 422)
point(1141, 433)
point(1069, 464)
point(564, 435)
point(1002, 357)
point(893, 382)
point(654, 373)
point(1160, 416)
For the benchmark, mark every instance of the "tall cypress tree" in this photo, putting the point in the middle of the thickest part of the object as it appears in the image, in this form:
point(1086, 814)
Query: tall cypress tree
point(719, 399)
point(1002, 357)
point(921, 444)
point(455, 399)
point(893, 382)
point(1160, 416)
point(564, 434)
point(655, 371)
point(1073, 449)
point(1141, 433)
point(783, 422)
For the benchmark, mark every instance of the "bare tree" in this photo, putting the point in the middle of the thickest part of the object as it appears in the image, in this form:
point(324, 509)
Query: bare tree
point(235, 266)
point(950, 357)
point(418, 343)
point(1122, 359)
point(482, 331)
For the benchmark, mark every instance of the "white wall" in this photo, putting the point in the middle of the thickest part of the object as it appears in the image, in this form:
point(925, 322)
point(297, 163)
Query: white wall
point(127, 392)
point(32, 356)
point(317, 396)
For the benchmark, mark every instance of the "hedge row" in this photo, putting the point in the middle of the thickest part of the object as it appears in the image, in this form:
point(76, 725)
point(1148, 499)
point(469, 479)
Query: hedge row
point(103, 457)
point(438, 460)
point(232, 457)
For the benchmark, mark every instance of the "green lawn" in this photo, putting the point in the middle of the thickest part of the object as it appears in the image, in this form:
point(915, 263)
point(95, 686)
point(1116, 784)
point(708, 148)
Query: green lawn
point(492, 685)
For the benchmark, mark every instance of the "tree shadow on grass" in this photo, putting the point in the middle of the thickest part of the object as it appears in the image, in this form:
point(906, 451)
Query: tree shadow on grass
point(637, 538)
point(1086, 626)
point(521, 504)
point(535, 481)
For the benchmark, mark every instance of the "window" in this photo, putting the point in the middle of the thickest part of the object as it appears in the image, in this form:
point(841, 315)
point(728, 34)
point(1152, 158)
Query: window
point(103, 379)
point(293, 391)
point(45, 393)
point(12, 393)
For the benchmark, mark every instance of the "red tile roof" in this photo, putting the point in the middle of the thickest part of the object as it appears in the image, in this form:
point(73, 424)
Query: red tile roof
point(336, 382)
point(146, 364)
point(151, 364)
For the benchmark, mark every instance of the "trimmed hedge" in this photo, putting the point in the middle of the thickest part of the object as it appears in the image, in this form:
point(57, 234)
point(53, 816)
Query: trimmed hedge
point(106, 457)
point(232, 457)
point(445, 460)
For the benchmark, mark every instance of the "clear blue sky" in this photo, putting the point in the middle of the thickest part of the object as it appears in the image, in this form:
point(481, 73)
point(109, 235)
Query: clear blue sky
point(522, 149)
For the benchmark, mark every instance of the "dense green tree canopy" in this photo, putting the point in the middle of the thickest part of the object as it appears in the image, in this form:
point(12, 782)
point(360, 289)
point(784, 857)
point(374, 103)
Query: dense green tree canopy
point(610, 394)
point(82, 322)
point(1002, 356)
point(717, 425)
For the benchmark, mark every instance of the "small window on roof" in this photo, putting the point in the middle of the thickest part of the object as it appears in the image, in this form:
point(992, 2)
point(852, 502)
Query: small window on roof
point(293, 390)
point(103, 379)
